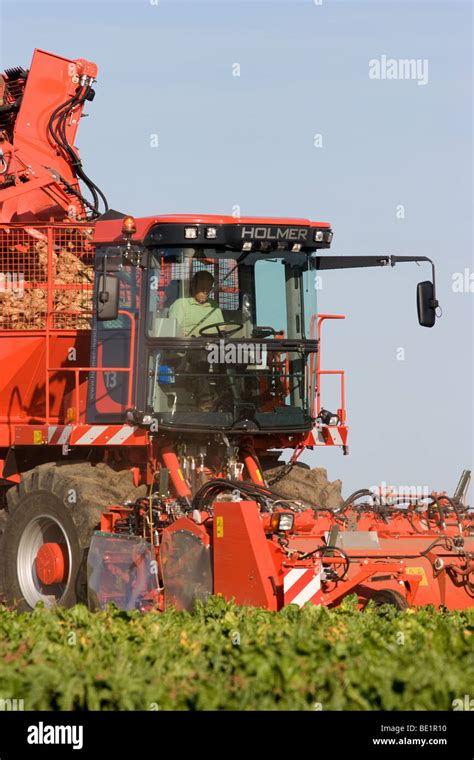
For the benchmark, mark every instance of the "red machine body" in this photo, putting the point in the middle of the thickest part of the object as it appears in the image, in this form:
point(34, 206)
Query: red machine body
point(87, 397)
point(38, 180)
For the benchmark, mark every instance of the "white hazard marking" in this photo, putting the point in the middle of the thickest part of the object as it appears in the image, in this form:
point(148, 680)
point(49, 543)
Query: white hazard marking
point(125, 432)
point(91, 434)
point(51, 431)
point(308, 592)
point(292, 577)
point(65, 435)
point(333, 437)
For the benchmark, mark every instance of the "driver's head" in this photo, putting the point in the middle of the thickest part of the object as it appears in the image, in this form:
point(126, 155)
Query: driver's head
point(201, 285)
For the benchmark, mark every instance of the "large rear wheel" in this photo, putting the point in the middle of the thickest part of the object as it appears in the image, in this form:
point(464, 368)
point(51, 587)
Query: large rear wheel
point(49, 523)
point(41, 556)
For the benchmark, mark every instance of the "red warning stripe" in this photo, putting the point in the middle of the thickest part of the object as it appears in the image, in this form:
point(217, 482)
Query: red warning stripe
point(302, 585)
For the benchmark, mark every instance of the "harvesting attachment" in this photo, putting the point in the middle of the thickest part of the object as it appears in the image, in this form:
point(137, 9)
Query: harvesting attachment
point(261, 549)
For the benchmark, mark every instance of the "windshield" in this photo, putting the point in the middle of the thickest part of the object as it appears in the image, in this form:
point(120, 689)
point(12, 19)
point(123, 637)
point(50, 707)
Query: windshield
point(233, 314)
point(191, 289)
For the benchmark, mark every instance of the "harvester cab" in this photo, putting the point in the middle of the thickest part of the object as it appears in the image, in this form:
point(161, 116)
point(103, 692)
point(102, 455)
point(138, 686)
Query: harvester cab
point(245, 360)
point(237, 362)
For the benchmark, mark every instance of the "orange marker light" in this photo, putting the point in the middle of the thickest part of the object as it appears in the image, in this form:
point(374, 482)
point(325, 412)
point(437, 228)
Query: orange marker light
point(128, 226)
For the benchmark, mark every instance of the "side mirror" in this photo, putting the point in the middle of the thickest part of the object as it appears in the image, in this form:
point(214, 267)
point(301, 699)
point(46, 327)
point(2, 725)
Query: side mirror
point(426, 303)
point(107, 297)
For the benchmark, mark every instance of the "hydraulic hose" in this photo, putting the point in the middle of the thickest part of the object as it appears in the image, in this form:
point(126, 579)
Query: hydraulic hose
point(57, 130)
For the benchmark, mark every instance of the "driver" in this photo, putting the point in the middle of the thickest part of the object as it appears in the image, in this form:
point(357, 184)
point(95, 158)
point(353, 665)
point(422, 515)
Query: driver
point(197, 311)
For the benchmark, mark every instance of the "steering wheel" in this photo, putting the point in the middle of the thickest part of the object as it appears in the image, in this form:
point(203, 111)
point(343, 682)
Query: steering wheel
point(263, 332)
point(219, 331)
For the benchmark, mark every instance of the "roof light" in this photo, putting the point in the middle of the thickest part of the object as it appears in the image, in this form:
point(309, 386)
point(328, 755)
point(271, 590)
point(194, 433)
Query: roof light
point(329, 236)
point(190, 233)
point(296, 247)
point(247, 246)
point(129, 226)
point(318, 236)
point(211, 233)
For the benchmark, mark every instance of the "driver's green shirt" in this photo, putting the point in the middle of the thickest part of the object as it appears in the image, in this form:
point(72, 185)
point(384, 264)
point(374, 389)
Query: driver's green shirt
point(193, 316)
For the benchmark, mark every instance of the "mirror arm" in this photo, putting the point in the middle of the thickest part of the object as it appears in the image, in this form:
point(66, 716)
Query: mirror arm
point(104, 295)
point(434, 303)
point(396, 259)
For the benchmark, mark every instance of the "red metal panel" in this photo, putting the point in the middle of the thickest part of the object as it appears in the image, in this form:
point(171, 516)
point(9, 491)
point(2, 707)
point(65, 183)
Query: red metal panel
point(33, 185)
point(46, 286)
point(243, 565)
point(111, 231)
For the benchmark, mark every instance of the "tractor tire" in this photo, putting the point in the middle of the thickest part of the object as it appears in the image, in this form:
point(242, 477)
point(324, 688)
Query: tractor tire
point(60, 505)
point(389, 596)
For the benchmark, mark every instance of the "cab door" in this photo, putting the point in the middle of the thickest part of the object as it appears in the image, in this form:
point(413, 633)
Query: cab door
point(113, 347)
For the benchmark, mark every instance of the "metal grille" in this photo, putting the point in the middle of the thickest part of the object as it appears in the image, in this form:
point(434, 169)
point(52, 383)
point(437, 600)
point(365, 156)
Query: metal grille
point(12, 85)
point(226, 274)
point(46, 277)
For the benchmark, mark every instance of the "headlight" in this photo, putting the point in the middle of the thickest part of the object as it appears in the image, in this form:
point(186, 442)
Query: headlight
point(135, 417)
point(319, 236)
point(328, 418)
point(282, 521)
point(190, 233)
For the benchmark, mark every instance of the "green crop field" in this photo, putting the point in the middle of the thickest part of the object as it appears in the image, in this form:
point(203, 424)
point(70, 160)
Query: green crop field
point(229, 658)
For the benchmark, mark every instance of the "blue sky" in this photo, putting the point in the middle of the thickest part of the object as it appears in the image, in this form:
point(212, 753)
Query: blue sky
point(248, 141)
